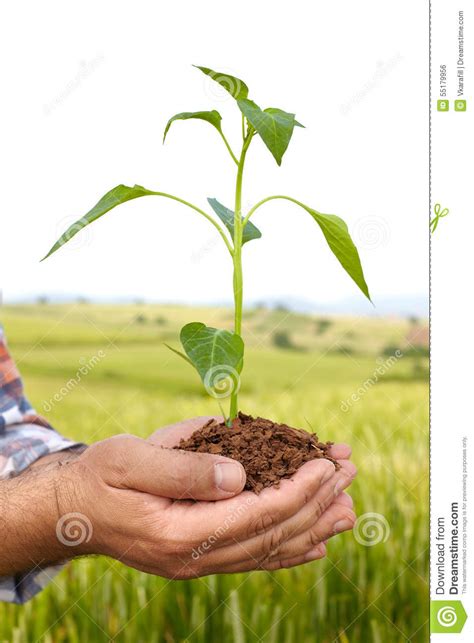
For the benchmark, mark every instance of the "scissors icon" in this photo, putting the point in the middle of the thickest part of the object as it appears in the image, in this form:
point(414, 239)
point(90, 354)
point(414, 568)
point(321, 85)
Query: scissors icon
point(439, 214)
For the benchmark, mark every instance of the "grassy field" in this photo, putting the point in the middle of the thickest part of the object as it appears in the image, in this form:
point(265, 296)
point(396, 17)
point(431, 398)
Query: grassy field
point(300, 370)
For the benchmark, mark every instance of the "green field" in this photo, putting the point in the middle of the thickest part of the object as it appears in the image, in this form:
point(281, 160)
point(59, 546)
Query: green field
point(299, 369)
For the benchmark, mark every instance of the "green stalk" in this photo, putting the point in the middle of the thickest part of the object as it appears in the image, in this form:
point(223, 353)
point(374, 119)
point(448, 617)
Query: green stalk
point(271, 198)
point(237, 260)
point(229, 149)
point(201, 212)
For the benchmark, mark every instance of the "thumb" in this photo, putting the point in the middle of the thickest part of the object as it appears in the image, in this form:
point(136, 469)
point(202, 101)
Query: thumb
point(171, 473)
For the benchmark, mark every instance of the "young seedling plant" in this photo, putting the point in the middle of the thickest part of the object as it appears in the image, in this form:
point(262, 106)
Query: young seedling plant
point(216, 354)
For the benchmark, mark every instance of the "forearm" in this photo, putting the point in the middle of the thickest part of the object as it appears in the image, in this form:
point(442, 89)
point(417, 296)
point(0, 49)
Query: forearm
point(30, 507)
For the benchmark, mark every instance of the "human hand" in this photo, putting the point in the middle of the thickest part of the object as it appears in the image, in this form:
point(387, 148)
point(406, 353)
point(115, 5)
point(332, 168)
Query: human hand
point(120, 497)
point(297, 539)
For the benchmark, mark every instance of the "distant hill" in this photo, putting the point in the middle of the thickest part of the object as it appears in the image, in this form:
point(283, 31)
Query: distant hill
point(84, 323)
point(399, 306)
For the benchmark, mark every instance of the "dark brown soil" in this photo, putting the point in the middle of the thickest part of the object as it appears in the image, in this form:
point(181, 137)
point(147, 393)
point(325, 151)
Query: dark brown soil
point(268, 451)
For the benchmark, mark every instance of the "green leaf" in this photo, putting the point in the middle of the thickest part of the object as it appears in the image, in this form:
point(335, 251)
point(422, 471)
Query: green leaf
point(213, 117)
point(236, 87)
point(116, 196)
point(217, 355)
point(274, 126)
point(227, 217)
point(339, 240)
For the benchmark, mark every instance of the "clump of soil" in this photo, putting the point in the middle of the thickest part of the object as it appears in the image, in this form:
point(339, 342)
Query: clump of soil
point(268, 451)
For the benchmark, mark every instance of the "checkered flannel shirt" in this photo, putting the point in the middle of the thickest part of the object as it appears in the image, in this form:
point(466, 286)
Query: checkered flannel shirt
point(24, 438)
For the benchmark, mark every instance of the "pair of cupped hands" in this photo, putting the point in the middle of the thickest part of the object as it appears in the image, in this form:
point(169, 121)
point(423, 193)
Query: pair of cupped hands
point(182, 515)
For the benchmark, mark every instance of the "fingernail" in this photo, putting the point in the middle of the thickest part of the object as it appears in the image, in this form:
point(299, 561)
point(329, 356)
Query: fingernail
point(315, 554)
point(229, 476)
point(342, 525)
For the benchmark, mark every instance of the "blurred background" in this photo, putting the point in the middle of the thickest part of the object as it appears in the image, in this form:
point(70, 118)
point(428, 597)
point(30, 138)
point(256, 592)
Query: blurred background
point(97, 370)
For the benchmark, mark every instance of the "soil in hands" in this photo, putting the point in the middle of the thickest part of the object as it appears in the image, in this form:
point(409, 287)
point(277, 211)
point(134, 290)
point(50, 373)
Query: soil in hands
point(268, 451)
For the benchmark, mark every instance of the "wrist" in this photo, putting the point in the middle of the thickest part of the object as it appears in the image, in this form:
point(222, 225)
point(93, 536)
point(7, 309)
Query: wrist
point(31, 506)
point(73, 492)
point(57, 459)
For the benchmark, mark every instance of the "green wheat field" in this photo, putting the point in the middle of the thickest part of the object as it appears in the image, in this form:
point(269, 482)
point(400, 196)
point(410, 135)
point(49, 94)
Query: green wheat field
point(299, 369)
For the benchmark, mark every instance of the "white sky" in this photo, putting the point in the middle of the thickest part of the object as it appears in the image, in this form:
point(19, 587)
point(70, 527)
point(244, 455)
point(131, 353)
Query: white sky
point(89, 88)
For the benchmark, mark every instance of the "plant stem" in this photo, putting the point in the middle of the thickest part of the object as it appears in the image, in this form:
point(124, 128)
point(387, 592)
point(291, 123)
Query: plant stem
point(237, 260)
point(202, 212)
point(234, 158)
point(271, 198)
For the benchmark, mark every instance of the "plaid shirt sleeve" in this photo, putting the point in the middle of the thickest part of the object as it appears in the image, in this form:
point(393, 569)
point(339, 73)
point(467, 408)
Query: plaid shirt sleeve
point(24, 438)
